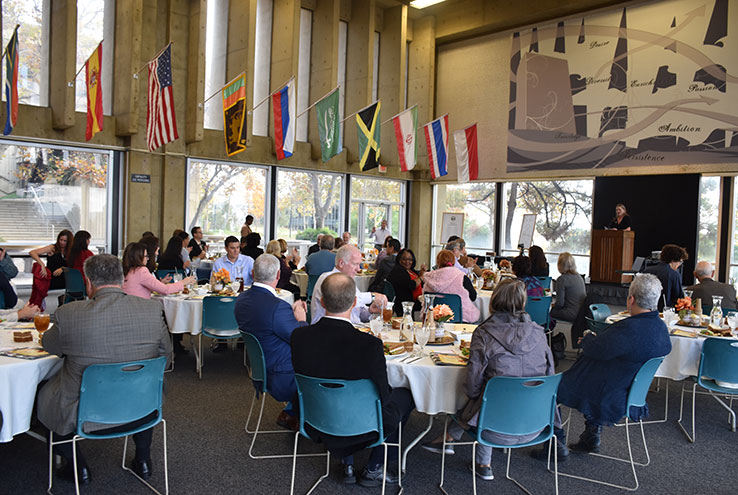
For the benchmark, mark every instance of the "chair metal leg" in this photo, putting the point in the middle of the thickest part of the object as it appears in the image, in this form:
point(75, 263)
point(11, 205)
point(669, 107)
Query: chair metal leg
point(166, 464)
point(731, 413)
point(295, 455)
point(51, 461)
point(443, 457)
point(199, 357)
point(666, 407)
point(74, 463)
point(681, 412)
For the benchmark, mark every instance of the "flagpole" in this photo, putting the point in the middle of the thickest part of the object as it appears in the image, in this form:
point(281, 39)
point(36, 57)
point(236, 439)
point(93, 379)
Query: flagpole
point(319, 100)
point(70, 84)
point(135, 74)
point(270, 94)
point(5, 51)
point(199, 105)
point(399, 114)
point(360, 110)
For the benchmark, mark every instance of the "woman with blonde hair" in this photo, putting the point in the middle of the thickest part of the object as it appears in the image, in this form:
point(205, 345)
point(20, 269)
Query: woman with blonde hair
point(285, 272)
point(570, 289)
point(448, 279)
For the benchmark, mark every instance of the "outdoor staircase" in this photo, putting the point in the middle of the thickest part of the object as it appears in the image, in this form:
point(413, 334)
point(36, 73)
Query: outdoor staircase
point(21, 221)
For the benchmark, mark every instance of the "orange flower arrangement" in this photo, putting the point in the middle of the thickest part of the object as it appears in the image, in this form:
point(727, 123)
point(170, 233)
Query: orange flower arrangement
point(442, 313)
point(684, 303)
point(222, 276)
point(505, 265)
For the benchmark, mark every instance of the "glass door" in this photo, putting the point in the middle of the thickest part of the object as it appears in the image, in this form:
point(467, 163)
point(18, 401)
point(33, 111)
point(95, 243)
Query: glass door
point(366, 215)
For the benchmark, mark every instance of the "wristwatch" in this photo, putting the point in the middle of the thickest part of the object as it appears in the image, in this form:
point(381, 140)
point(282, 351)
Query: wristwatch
point(587, 332)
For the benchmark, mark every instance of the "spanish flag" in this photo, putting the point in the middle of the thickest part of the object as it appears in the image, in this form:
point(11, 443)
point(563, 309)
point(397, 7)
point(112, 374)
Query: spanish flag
point(368, 124)
point(234, 115)
point(93, 67)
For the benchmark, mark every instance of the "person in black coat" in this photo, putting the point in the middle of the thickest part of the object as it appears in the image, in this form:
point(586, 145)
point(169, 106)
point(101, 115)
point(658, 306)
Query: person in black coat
point(407, 282)
point(672, 257)
point(171, 258)
point(385, 266)
point(539, 265)
point(333, 348)
point(252, 245)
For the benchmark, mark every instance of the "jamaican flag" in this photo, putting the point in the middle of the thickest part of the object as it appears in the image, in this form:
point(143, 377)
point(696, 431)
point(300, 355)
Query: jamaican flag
point(234, 115)
point(368, 124)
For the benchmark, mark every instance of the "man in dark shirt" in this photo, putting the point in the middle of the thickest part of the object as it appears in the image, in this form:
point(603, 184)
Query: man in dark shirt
point(672, 257)
point(199, 248)
point(333, 348)
point(385, 266)
point(708, 287)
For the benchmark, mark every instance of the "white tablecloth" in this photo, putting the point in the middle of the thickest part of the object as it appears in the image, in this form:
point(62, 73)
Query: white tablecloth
point(18, 381)
point(482, 303)
point(435, 389)
point(184, 315)
point(301, 280)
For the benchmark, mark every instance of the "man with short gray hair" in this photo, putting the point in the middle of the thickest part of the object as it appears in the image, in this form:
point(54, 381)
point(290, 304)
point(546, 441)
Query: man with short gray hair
point(707, 287)
point(109, 327)
point(261, 312)
point(598, 382)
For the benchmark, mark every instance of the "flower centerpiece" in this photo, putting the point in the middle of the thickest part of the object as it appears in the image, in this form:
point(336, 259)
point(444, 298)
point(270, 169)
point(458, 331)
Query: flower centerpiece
point(489, 278)
point(505, 265)
point(441, 314)
point(221, 278)
point(683, 306)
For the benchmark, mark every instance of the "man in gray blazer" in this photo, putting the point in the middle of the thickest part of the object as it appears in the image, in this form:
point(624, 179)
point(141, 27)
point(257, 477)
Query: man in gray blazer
point(109, 327)
point(709, 287)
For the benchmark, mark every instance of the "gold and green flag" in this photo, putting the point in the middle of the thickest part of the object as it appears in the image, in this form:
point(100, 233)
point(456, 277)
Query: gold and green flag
point(368, 124)
point(234, 115)
point(328, 125)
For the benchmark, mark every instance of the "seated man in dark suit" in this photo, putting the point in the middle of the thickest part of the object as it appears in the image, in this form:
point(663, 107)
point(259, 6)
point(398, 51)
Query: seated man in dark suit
point(385, 266)
point(333, 348)
point(709, 287)
point(315, 247)
point(324, 260)
point(597, 383)
point(109, 327)
point(271, 320)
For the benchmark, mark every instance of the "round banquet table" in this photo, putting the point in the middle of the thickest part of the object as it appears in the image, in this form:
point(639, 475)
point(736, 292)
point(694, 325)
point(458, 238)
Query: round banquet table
point(300, 278)
point(482, 303)
point(18, 381)
point(184, 312)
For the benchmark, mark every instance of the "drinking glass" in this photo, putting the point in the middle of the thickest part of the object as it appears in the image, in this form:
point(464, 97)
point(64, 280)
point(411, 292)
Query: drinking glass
point(387, 313)
point(688, 293)
point(41, 322)
point(670, 317)
point(733, 323)
point(375, 325)
point(177, 277)
point(422, 334)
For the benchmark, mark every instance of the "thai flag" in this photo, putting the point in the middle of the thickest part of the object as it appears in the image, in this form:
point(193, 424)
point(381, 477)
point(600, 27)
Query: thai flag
point(283, 103)
point(436, 139)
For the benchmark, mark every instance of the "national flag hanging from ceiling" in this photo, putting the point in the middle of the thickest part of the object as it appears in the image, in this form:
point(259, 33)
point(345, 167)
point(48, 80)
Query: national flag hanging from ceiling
point(368, 124)
point(406, 124)
point(234, 115)
point(161, 124)
point(466, 154)
point(11, 83)
point(283, 105)
point(328, 125)
point(436, 139)
point(93, 68)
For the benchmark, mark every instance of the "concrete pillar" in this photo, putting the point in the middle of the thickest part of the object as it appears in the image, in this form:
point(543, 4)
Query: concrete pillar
point(63, 66)
point(393, 46)
point(419, 228)
point(195, 93)
point(128, 40)
point(241, 42)
point(285, 45)
point(421, 83)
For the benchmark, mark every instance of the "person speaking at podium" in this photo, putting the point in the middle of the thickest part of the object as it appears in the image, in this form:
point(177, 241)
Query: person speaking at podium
point(621, 220)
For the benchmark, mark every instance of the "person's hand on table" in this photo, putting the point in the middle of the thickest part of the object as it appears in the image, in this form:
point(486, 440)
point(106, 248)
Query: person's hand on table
point(189, 280)
point(378, 303)
point(167, 278)
point(299, 309)
point(28, 311)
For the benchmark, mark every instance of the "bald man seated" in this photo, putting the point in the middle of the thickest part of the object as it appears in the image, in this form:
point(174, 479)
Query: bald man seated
point(708, 287)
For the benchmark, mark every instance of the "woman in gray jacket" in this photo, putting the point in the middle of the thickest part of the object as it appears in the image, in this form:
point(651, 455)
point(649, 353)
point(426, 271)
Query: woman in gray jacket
point(570, 289)
point(508, 343)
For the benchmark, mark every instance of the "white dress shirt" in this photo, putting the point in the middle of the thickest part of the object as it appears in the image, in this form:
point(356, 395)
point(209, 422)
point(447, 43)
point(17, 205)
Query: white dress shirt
point(380, 235)
point(359, 314)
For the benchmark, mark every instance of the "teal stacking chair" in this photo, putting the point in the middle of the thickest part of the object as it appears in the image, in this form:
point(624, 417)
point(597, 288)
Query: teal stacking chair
point(600, 311)
point(636, 398)
point(74, 285)
point(2, 301)
point(258, 376)
point(118, 394)
point(513, 406)
point(453, 301)
point(545, 282)
point(596, 326)
point(343, 408)
point(312, 279)
point(218, 323)
point(718, 363)
point(389, 290)
point(160, 274)
point(539, 309)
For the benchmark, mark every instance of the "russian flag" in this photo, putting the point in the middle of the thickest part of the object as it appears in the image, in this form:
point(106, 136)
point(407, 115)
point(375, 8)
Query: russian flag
point(436, 139)
point(466, 154)
point(283, 103)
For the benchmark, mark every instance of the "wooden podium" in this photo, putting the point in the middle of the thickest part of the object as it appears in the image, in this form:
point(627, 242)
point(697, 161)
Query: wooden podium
point(612, 250)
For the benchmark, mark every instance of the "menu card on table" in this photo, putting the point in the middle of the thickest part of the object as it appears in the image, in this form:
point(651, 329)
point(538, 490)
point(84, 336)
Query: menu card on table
point(25, 353)
point(447, 359)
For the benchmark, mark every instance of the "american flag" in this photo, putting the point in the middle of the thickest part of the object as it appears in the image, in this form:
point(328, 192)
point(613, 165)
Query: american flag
point(161, 124)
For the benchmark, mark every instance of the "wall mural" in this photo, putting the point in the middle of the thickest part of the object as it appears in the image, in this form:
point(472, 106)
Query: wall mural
point(644, 85)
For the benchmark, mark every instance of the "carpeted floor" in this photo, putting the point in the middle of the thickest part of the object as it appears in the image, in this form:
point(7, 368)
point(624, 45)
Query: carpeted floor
point(208, 450)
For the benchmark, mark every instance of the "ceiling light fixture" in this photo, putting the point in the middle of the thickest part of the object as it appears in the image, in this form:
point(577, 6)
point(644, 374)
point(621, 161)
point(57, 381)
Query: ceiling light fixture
point(421, 4)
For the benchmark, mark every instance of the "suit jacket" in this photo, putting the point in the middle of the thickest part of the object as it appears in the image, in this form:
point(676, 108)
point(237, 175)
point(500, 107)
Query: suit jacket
point(111, 327)
point(333, 348)
point(320, 262)
point(709, 287)
point(671, 283)
point(271, 320)
point(383, 270)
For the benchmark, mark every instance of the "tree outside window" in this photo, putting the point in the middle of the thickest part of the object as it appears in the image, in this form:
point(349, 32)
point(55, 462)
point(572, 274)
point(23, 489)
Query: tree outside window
point(308, 203)
point(32, 59)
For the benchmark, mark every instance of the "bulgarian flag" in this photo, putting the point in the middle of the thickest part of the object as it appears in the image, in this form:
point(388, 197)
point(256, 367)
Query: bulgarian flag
point(11, 83)
point(94, 93)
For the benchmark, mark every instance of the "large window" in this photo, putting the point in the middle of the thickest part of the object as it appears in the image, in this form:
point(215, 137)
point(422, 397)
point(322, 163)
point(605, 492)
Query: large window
point(95, 22)
point(303, 73)
point(33, 47)
point(262, 64)
point(308, 203)
point(707, 239)
point(216, 38)
point(374, 200)
point(220, 195)
point(45, 189)
point(477, 202)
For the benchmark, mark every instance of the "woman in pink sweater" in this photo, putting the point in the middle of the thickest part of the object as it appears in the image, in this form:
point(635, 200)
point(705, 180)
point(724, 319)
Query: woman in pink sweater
point(139, 281)
point(448, 279)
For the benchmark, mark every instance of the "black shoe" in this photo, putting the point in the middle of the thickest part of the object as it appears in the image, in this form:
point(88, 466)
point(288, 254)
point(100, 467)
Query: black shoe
point(66, 472)
point(482, 472)
point(437, 447)
point(178, 349)
point(348, 476)
point(562, 452)
point(222, 347)
point(589, 440)
point(374, 478)
point(142, 468)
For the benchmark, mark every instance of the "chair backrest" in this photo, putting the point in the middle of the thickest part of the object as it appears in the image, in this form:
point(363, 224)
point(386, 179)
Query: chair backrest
point(339, 407)
point(600, 311)
point(218, 313)
point(160, 274)
point(203, 274)
point(639, 387)
point(2, 301)
point(596, 326)
point(518, 405)
point(257, 363)
point(311, 285)
point(719, 360)
point(539, 309)
point(637, 264)
point(119, 393)
point(389, 290)
point(74, 285)
point(545, 282)
point(453, 301)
